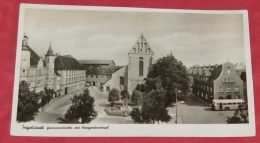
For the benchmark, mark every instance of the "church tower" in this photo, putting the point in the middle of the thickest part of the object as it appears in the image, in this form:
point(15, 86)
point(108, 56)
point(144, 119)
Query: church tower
point(49, 59)
point(25, 58)
point(140, 60)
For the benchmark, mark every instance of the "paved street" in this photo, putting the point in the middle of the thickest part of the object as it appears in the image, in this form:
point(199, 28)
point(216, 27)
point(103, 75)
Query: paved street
point(193, 111)
point(59, 106)
point(190, 111)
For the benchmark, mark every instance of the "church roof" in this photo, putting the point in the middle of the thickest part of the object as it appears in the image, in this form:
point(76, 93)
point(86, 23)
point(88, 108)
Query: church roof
point(141, 46)
point(67, 63)
point(97, 62)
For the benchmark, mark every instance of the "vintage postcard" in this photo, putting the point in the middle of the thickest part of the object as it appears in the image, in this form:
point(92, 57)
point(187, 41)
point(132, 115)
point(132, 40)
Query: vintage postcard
point(86, 71)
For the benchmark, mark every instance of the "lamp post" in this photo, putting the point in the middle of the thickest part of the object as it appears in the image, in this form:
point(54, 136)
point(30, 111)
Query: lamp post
point(176, 94)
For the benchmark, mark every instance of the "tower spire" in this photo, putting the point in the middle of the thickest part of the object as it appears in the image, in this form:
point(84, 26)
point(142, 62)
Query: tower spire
point(25, 40)
point(49, 52)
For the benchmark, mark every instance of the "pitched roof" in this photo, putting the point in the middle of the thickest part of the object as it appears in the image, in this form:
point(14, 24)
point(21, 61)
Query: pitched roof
point(215, 73)
point(141, 46)
point(34, 57)
point(107, 70)
point(67, 63)
point(207, 71)
point(97, 62)
point(56, 72)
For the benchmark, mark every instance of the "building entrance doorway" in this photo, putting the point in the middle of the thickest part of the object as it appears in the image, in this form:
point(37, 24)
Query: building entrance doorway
point(66, 90)
point(220, 106)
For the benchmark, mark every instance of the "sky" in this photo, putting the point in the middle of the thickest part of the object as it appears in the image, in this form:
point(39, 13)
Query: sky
point(109, 35)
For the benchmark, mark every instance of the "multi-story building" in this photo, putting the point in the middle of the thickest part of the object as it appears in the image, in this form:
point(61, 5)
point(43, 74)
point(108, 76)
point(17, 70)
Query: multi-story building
point(34, 70)
point(63, 74)
point(217, 82)
point(72, 73)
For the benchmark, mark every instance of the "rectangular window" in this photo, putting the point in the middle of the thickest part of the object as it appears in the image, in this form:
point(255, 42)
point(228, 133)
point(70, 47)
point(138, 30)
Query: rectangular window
point(228, 89)
point(220, 89)
point(236, 89)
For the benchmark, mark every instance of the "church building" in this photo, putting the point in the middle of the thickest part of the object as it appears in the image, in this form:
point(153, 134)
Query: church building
point(129, 77)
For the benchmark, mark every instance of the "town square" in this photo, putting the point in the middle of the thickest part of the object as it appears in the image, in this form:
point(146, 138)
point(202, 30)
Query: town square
point(109, 67)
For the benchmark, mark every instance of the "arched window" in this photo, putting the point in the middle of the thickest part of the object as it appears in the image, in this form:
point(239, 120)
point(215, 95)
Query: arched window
point(121, 80)
point(141, 67)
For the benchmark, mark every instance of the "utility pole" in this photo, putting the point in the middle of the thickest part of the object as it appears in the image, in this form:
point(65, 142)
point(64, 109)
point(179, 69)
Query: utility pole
point(176, 103)
point(176, 92)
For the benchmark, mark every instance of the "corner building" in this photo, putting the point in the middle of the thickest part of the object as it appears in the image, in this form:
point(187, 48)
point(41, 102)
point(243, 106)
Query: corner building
point(63, 74)
point(217, 82)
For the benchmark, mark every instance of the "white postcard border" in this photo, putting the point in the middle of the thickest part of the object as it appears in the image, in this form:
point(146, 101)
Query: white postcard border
point(135, 130)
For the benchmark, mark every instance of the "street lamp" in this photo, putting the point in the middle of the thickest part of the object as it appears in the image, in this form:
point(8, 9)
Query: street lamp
point(176, 94)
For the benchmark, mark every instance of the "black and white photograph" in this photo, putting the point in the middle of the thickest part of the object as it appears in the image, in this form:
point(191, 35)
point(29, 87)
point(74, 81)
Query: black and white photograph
point(107, 71)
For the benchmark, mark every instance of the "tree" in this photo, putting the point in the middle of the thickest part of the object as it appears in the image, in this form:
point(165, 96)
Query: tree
point(171, 75)
point(113, 96)
point(82, 108)
point(136, 97)
point(240, 115)
point(27, 103)
point(136, 115)
point(125, 94)
point(153, 109)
